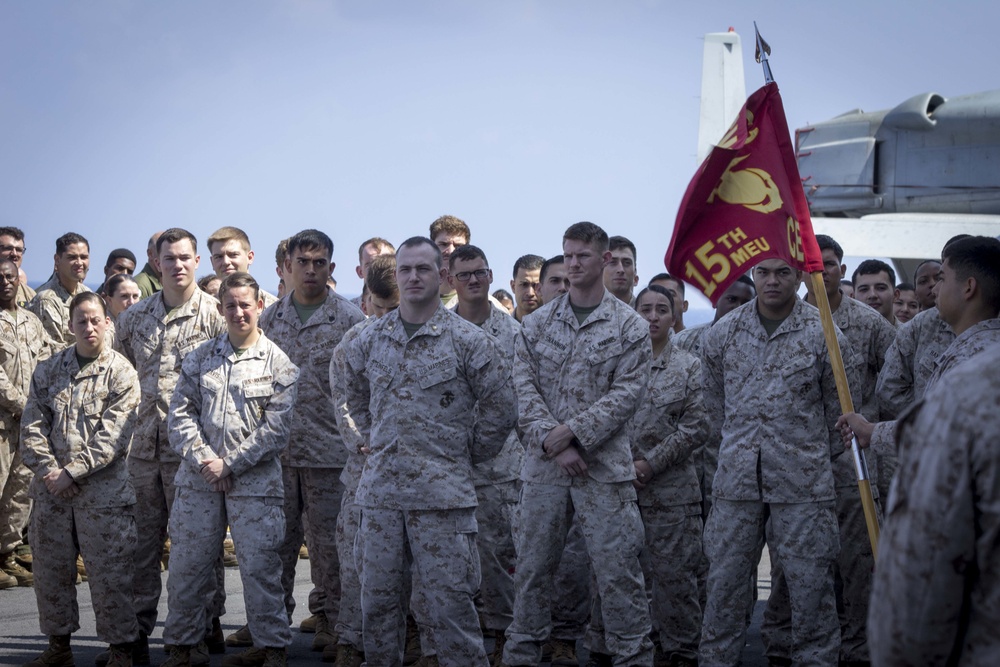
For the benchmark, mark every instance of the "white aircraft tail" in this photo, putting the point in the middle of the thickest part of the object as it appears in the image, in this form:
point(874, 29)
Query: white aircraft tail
point(723, 89)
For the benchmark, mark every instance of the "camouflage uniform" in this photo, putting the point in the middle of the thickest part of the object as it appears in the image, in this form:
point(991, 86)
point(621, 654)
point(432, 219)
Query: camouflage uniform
point(24, 295)
point(411, 399)
point(869, 335)
point(348, 622)
point(315, 456)
point(237, 408)
point(666, 431)
point(497, 490)
point(706, 457)
point(590, 377)
point(82, 421)
point(51, 305)
point(23, 344)
point(936, 593)
point(779, 399)
point(156, 342)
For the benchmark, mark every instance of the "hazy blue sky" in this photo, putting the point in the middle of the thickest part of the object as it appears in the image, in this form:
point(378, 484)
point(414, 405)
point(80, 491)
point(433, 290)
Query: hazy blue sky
point(373, 118)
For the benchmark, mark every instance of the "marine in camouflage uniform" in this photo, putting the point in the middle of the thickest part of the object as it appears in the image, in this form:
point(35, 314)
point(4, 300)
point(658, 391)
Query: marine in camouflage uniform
point(51, 306)
point(870, 335)
point(936, 593)
point(234, 406)
point(315, 456)
point(589, 377)
point(779, 399)
point(23, 343)
point(667, 429)
point(80, 420)
point(411, 398)
point(348, 622)
point(156, 338)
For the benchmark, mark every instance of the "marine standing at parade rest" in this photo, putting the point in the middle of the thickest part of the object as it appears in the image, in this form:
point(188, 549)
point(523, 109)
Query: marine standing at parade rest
point(230, 416)
point(75, 434)
point(413, 380)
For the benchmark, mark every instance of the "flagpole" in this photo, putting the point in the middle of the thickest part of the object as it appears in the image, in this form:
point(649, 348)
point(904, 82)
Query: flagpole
point(846, 407)
point(836, 359)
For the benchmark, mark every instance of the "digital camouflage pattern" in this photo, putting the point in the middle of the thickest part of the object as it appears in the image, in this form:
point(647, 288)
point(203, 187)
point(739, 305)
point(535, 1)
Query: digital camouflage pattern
point(910, 361)
point(23, 343)
point(156, 340)
point(315, 455)
point(778, 439)
point(238, 408)
point(936, 594)
point(870, 335)
point(411, 399)
point(590, 377)
point(81, 420)
point(51, 305)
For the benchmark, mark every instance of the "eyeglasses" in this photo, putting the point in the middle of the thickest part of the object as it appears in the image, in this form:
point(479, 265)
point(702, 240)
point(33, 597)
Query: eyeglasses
point(464, 276)
point(13, 249)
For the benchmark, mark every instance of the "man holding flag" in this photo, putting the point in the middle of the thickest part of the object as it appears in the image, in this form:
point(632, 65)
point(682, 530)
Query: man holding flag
point(772, 367)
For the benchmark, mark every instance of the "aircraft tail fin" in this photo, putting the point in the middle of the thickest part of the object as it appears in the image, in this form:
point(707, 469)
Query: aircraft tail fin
point(723, 88)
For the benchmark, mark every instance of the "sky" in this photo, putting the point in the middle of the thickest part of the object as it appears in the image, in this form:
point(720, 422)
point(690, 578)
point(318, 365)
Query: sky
point(373, 118)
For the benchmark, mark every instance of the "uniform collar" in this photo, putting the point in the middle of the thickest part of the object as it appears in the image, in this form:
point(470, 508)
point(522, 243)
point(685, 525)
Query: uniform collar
point(327, 311)
point(605, 309)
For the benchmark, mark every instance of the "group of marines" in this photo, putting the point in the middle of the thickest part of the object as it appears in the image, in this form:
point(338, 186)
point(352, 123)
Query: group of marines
point(582, 468)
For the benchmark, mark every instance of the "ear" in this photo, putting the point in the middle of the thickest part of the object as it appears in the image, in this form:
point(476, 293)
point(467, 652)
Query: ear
point(197, 261)
point(606, 257)
point(970, 288)
point(636, 281)
point(843, 269)
point(219, 306)
point(249, 257)
point(357, 270)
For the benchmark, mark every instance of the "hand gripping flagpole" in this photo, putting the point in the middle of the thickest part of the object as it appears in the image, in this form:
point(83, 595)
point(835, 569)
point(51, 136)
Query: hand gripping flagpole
point(836, 360)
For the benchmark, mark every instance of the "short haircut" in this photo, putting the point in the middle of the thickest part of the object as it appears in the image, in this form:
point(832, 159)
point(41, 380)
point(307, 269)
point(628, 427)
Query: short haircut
point(449, 224)
point(827, 243)
point(587, 232)
point(119, 253)
point(311, 239)
point(619, 242)
point(847, 282)
point(502, 294)
point(558, 259)
point(528, 263)
point(225, 234)
point(956, 237)
point(238, 280)
point(871, 267)
point(977, 257)
point(658, 290)
point(17, 273)
point(115, 281)
point(68, 239)
point(379, 243)
point(746, 280)
point(12, 231)
point(174, 235)
point(674, 279)
point(281, 253)
point(906, 287)
point(415, 241)
point(925, 263)
point(84, 297)
point(204, 281)
point(467, 253)
point(381, 277)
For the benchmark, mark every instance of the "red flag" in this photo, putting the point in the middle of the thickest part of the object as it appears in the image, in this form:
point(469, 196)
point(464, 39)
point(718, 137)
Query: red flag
point(745, 204)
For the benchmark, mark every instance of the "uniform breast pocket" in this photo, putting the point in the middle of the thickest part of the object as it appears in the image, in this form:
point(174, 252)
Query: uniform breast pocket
point(91, 413)
point(256, 396)
point(437, 385)
point(800, 376)
point(668, 403)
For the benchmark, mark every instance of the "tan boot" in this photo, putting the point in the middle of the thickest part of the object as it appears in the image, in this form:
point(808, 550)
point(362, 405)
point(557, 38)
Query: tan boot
point(81, 570)
point(252, 657)
point(325, 635)
point(120, 655)
point(7, 581)
point(345, 655)
point(308, 624)
point(58, 654)
point(241, 638)
point(179, 656)
point(23, 555)
point(275, 657)
point(10, 567)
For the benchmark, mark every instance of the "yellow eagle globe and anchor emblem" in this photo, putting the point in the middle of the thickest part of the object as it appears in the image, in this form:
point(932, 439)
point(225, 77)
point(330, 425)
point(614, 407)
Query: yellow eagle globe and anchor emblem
point(750, 187)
